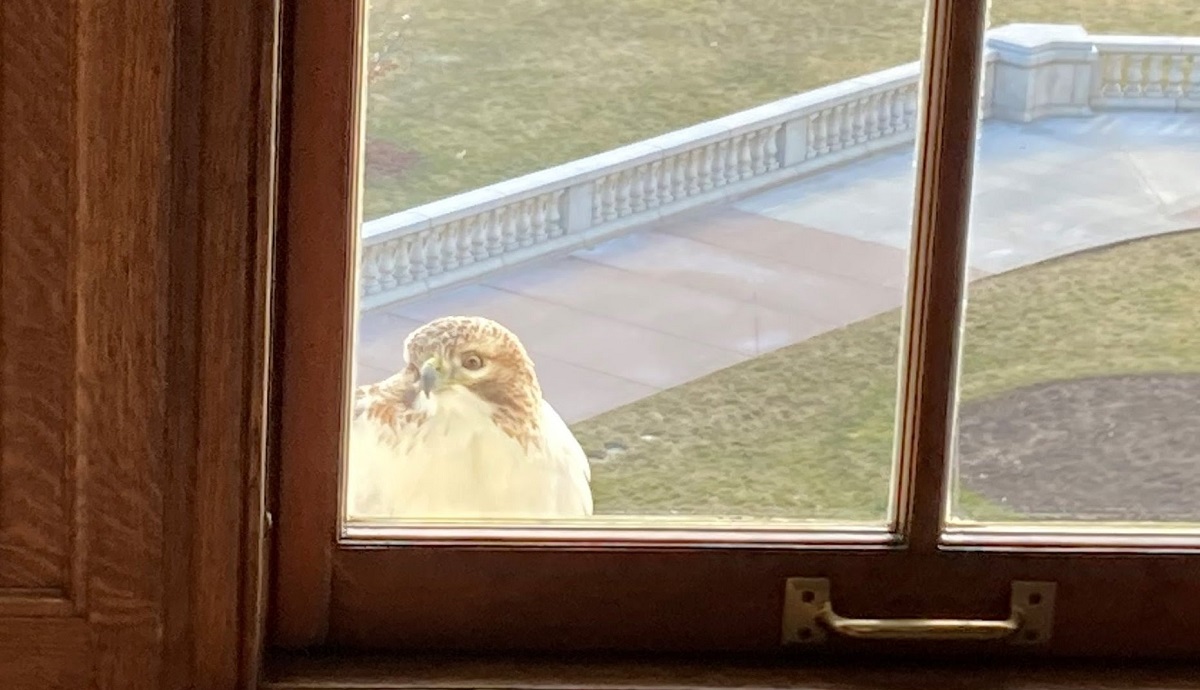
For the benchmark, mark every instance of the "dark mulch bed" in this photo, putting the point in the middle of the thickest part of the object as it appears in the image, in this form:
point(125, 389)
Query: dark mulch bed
point(1112, 448)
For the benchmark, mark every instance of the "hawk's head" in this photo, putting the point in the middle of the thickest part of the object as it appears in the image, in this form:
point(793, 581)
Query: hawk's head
point(479, 355)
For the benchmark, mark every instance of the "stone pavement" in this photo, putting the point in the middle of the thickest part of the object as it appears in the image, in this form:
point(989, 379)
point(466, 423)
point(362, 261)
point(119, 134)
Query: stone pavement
point(683, 297)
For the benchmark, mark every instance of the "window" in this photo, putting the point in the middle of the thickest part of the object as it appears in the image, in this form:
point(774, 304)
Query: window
point(753, 324)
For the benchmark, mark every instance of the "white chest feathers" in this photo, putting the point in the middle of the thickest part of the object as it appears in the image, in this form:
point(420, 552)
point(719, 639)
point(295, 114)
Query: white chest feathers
point(457, 463)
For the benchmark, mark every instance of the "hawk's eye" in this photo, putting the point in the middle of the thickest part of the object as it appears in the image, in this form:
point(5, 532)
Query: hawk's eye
point(472, 362)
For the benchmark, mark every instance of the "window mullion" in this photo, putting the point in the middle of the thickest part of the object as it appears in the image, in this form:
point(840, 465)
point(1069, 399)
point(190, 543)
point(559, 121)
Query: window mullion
point(950, 95)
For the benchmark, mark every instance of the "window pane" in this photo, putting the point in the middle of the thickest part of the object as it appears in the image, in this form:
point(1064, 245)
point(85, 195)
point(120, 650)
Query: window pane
point(694, 215)
point(1080, 383)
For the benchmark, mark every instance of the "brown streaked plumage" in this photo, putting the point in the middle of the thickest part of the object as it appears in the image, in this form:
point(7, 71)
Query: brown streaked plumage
point(463, 430)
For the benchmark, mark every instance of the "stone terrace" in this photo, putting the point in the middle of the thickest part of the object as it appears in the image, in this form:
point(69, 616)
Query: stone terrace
point(679, 298)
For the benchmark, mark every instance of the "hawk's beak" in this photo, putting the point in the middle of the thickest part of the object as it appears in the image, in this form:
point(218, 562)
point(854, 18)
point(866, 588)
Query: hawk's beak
point(430, 375)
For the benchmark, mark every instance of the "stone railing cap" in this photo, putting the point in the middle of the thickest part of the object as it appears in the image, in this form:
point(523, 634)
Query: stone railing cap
point(1156, 44)
point(1028, 37)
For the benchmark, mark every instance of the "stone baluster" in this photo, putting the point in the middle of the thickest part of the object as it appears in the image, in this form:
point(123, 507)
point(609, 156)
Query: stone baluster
point(416, 255)
point(910, 109)
point(758, 153)
point(500, 220)
point(895, 112)
point(518, 221)
point(431, 249)
point(745, 155)
point(449, 245)
point(637, 200)
point(641, 175)
point(1193, 80)
point(859, 113)
point(845, 117)
point(707, 159)
point(828, 132)
point(649, 182)
point(554, 214)
point(477, 229)
point(720, 155)
point(462, 242)
point(814, 138)
point(666, 189)
point(1114, 74)
point(399, 268)
point(685, 175)
point(527, 223)
point(694, 174)
point(369, 280)
point(541, 218)
point(623, 194)
point(729, 162)
point(495, 232)
point(512, 226)
point(612, 190)
point(733, 159)
point(1154, 76)
point(887, 111)
point(833, 131)
point(609, 200)
point(737, 147)
point(879, 115)
point(870, 117)
point(598, 194)
point(772, 151)
point(1134, 77)
point(1175, 77)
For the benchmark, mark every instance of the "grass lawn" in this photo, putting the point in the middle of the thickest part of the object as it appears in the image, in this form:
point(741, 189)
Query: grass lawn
point(483, 90)
point(806, 431)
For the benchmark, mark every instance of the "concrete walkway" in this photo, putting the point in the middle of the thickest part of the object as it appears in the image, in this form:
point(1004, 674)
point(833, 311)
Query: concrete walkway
point(684, 297)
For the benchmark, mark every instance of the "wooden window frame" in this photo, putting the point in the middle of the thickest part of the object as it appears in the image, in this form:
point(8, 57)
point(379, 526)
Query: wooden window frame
point(1118, 595)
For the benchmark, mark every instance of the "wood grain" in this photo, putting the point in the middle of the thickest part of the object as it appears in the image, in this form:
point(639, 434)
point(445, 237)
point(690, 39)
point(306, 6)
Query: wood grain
point(319, 131)
point(693, 601)
point(121, 269)
point(45, 654)
point(36, 300)
point(137, 163)
point(126, 657)
point(236, 222)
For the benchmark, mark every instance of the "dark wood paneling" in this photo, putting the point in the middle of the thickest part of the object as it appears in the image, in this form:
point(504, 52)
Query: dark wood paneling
point(136, 187)
point(37, 373)
point(45, 653)
point(121, 226)
point(499, 600)
point(318, 149)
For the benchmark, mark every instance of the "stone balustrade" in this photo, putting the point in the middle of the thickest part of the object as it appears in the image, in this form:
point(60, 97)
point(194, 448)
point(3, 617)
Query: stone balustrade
point(1135, 74)
point(1033, 71)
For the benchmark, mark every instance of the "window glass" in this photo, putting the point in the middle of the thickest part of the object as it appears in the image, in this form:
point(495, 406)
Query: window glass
point(691, 218)
point(1080, 379)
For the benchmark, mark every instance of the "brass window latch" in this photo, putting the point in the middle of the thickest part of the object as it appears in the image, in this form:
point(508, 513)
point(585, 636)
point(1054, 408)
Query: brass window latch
point(809, 618)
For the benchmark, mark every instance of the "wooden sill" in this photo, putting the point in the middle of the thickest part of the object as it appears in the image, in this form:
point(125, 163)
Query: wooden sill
point(294, 672)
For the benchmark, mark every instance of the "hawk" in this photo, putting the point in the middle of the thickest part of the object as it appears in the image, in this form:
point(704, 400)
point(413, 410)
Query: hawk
point(463, 432)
